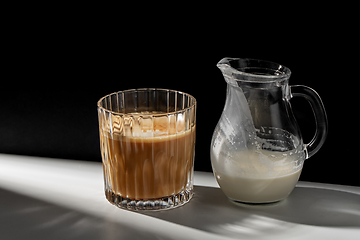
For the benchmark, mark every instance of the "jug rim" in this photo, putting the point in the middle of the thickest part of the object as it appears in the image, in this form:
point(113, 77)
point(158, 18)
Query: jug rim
point(242, 69)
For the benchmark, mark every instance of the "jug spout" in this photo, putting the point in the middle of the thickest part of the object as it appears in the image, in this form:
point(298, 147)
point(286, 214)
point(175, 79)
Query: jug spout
point(225, 62)
point(227, 70)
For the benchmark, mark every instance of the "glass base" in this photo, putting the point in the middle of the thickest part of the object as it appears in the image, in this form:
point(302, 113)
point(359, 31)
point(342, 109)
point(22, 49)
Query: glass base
point(168, 202)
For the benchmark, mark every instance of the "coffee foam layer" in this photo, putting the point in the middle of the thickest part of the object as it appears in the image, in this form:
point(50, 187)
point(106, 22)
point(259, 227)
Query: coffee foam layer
point(149, 128)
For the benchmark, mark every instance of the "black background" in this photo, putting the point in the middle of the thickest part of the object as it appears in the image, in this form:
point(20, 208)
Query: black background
point(59, 64)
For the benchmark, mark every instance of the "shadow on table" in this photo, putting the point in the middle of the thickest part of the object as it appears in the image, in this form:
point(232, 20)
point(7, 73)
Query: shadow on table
point(23, 217)
point(211, 211)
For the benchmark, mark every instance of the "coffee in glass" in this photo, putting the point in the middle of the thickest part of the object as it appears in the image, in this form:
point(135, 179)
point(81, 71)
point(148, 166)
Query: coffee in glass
point(147, 139)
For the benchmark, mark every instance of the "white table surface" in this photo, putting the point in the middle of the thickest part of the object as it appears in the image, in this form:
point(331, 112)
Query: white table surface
point(44, 198)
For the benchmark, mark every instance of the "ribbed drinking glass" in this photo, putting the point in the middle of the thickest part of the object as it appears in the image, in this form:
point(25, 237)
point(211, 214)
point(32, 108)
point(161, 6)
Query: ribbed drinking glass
point(147, 139)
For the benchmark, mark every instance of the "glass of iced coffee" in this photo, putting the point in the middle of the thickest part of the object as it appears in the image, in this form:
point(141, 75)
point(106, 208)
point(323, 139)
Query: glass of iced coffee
point(147, 139)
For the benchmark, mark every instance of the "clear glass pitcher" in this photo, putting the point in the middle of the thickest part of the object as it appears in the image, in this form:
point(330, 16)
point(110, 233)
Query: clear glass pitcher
point(257, 152)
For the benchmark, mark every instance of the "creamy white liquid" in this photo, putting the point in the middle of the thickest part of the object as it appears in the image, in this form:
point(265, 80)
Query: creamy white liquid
point(259, 176)
point(258, 190)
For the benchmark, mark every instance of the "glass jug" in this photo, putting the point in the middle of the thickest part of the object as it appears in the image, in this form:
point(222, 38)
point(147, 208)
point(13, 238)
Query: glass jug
point(257, 152)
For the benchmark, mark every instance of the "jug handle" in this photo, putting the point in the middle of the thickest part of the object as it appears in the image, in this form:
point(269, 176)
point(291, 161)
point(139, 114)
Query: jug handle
point(320, 116)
